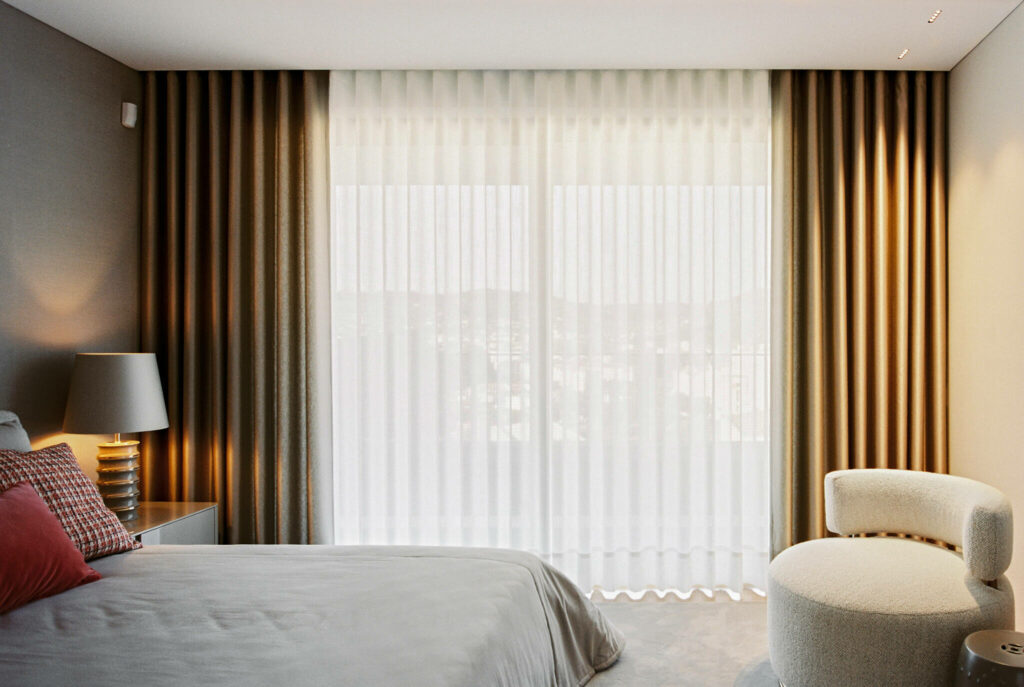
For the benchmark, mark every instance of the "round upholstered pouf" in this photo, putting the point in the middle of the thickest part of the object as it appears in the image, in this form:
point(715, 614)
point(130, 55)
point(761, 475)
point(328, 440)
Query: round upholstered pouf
point(864, 612)
point(992, 658)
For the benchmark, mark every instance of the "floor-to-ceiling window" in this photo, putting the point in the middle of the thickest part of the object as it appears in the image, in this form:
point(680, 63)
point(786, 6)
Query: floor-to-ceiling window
point(550, 318)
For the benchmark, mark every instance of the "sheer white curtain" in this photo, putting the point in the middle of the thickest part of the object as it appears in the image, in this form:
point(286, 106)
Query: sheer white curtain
point(550, 318)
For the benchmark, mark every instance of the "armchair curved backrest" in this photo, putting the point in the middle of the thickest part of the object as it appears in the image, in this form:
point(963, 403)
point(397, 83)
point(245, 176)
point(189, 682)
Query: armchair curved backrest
point(969, 514)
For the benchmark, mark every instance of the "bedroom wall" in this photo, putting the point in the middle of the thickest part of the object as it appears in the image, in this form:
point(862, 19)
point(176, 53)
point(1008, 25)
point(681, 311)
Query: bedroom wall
point(69, 217)
point(986, 271)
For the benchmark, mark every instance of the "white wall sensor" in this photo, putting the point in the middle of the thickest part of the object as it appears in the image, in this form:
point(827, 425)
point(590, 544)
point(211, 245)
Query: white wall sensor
point(129, 115)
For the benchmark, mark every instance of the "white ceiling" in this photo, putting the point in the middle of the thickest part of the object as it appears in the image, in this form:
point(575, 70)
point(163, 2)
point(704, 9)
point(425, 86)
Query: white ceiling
point(525, 34)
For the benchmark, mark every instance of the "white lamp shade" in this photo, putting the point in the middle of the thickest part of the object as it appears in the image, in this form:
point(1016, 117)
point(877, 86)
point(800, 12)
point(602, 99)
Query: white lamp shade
point(115, 393)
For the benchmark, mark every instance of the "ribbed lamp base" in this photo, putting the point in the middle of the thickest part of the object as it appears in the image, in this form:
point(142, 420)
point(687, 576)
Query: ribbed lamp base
point(118, 477)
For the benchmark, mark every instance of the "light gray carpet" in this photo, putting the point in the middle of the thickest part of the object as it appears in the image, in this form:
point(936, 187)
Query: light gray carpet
point(694, 643)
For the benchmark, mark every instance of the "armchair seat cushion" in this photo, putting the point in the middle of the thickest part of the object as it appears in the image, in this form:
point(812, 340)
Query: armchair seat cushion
point(881, 575)
point(858, 612)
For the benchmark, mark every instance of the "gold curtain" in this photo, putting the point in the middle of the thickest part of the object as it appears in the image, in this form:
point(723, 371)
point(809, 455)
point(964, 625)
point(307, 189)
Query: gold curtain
point(235, 298)
point(859, 179)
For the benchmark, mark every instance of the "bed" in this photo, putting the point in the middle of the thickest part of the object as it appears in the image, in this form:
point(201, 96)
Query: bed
point(266, 615)
point(311, 615)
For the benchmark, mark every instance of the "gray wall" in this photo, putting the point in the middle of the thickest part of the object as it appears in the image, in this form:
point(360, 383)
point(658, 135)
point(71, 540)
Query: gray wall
point(986, 271)
point(69, 216)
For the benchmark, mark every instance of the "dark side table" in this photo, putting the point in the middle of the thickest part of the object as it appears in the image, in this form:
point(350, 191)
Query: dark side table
point(991, 658)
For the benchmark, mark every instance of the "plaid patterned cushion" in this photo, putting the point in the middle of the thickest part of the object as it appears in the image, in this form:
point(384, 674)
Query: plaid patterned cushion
point(55, 474)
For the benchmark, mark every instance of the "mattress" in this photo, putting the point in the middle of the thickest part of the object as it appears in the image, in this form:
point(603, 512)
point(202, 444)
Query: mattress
point(311, 615)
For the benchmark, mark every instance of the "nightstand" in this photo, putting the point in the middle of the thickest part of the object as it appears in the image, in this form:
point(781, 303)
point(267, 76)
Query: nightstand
point(168, 522)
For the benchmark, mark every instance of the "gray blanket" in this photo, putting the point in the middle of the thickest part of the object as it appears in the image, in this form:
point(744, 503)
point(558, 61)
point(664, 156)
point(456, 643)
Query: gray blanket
point(311, 615)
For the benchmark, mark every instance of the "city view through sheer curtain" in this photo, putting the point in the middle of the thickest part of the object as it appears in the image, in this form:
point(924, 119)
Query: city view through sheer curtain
point(550, 318)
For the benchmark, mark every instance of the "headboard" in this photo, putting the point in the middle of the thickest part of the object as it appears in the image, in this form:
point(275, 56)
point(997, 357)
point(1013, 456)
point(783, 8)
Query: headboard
point(12, 434)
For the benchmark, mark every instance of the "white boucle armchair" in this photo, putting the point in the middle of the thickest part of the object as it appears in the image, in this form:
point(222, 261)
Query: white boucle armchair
point(871, 611)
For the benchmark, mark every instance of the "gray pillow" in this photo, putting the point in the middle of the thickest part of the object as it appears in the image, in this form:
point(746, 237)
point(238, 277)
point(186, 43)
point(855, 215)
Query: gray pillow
point(12, 434)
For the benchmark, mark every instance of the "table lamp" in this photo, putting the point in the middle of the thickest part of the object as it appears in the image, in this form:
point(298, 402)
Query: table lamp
point(116, 393)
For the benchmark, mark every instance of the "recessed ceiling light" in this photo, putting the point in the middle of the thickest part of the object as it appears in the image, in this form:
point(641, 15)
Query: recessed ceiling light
point(935, 15)
point(903, 54)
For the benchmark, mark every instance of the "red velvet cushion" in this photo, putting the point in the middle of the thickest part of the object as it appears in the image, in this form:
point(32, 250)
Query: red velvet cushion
point(55, 474)
point(37, 559)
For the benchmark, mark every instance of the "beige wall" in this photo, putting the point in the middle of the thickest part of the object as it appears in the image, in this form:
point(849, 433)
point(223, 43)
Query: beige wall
point(986, 271)
point(69, 217)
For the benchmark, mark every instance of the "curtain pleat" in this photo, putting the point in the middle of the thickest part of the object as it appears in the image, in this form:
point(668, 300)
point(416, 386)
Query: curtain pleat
point(859, 219)
point(551, 331)
point(236, 298)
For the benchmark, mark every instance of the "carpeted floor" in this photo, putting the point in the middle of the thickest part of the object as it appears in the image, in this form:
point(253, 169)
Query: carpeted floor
point(689, 644)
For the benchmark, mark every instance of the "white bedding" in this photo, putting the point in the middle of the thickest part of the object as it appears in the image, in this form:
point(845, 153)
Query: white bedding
point(311, 615)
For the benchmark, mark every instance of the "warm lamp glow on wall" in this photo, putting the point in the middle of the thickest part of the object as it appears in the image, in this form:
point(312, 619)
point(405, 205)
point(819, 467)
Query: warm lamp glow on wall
point(116, 393)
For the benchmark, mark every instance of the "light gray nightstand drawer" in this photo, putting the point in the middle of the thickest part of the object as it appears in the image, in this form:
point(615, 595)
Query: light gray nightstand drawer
point(198, 528)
